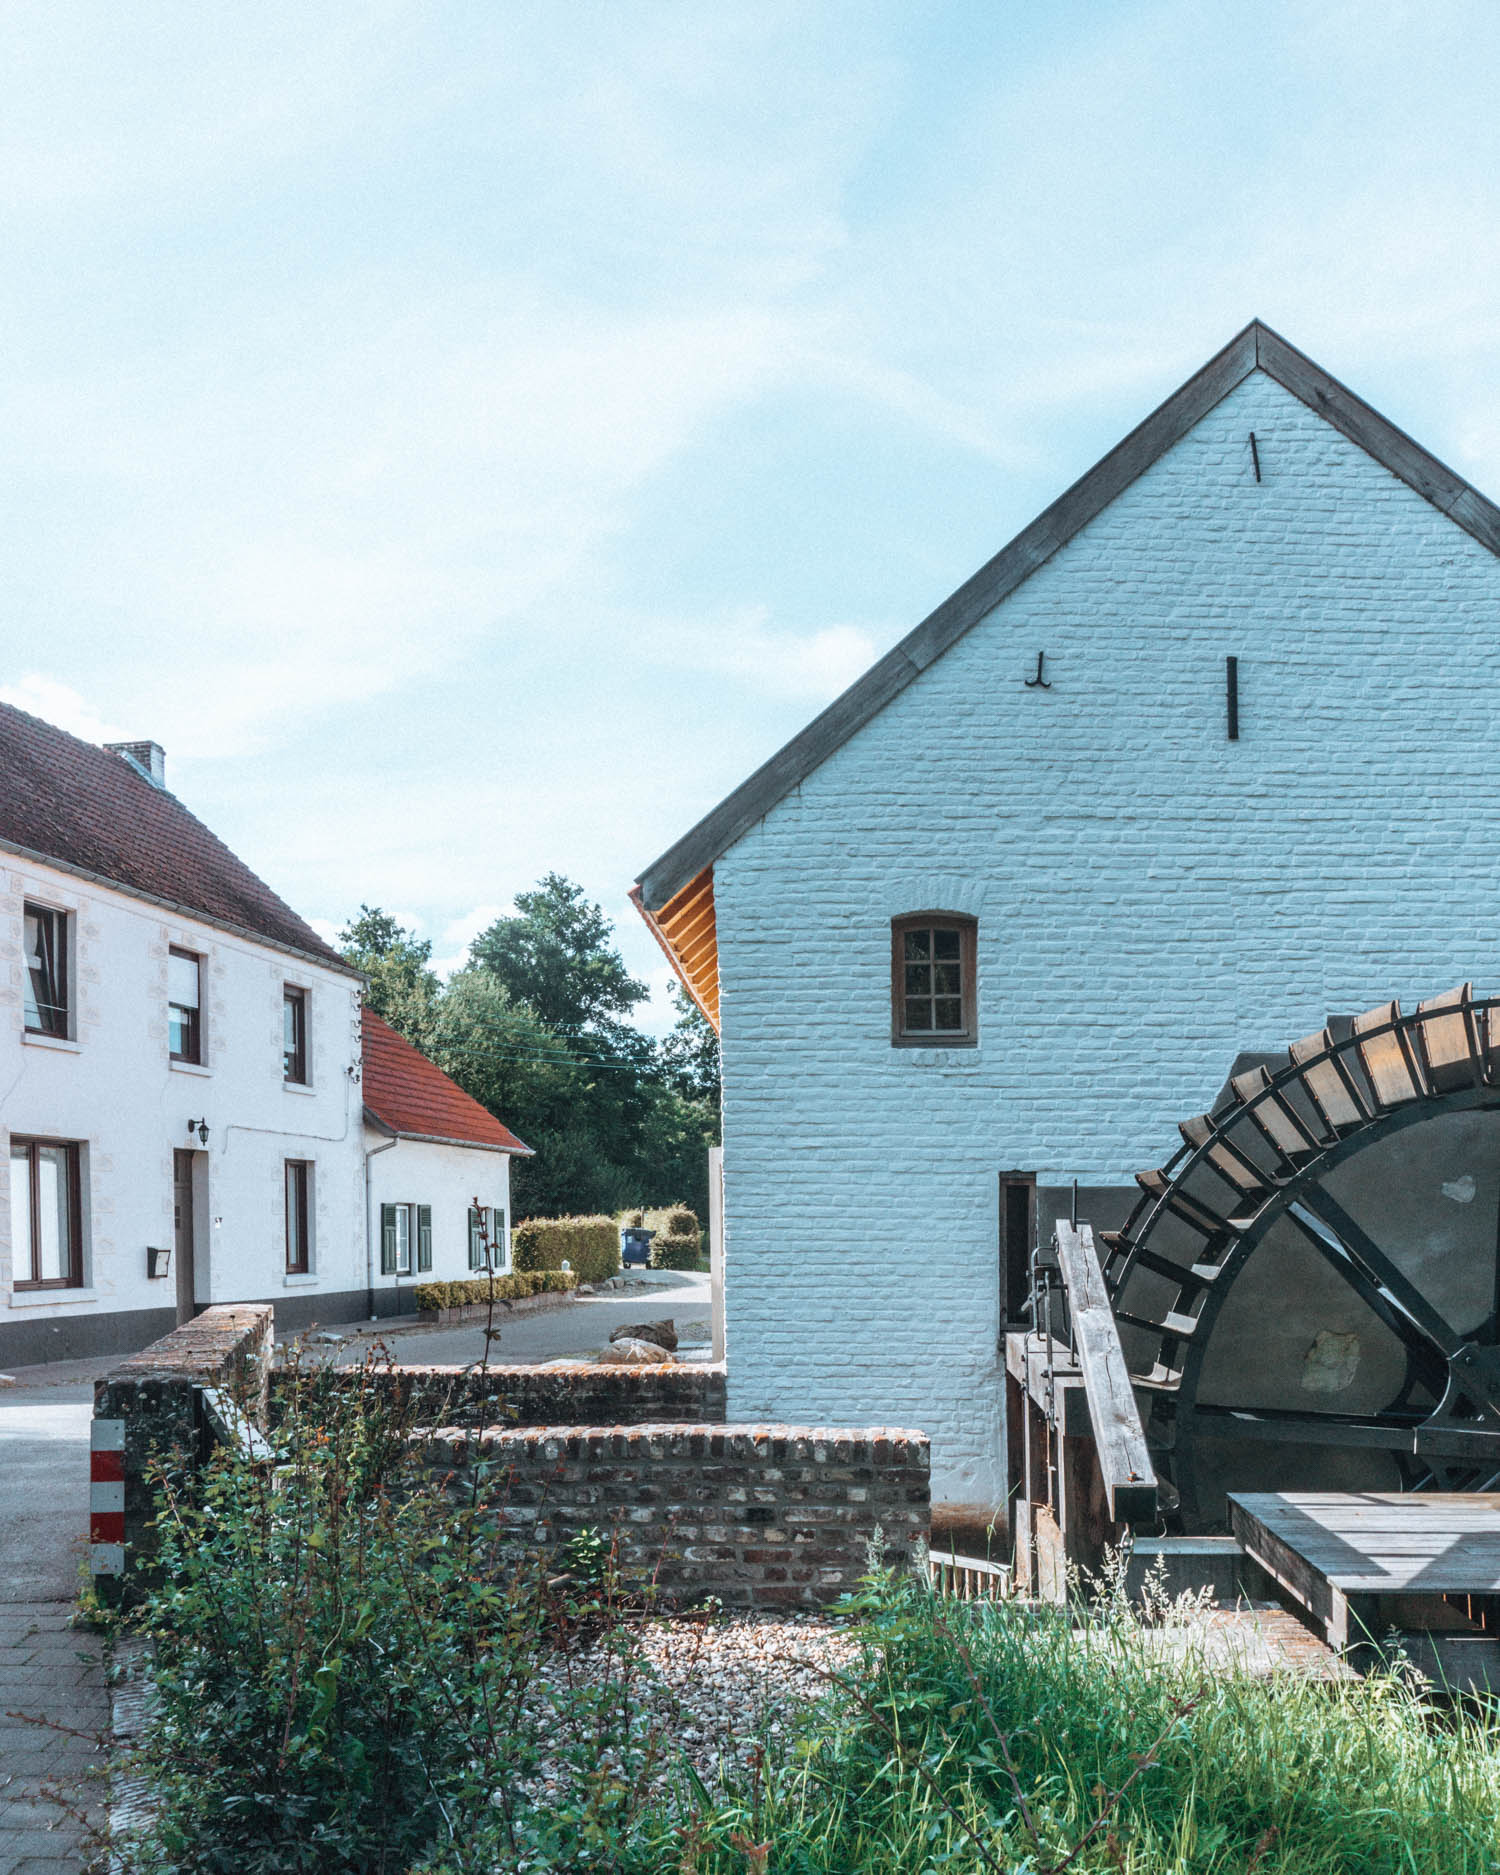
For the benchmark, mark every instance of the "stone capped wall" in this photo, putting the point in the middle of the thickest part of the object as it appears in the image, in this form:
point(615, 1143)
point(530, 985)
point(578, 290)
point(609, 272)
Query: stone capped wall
point(757, 1516)
point(1151, 898)
point(578, 1394)
point(155, 1400)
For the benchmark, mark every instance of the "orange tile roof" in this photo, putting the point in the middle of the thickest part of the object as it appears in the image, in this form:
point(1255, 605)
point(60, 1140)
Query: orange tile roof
point(406, 1093)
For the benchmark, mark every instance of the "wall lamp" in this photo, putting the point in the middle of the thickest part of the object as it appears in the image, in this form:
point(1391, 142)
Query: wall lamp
point(200, 1127)
point(158, 1260)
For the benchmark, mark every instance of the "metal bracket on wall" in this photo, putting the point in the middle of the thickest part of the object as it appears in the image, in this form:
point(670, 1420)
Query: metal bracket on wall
point(1039, 682)
point(1255, 455)
point(1232, 697)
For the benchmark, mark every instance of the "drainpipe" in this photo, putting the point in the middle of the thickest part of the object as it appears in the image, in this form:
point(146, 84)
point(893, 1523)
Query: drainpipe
point(372, 1153)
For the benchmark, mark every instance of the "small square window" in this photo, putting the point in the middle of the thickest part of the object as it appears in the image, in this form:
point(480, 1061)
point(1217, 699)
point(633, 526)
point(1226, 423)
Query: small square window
point(933, 990)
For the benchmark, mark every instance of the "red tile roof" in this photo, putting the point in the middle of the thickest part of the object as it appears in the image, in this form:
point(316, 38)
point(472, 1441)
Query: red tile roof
point(407, 1094)
point(89, 809)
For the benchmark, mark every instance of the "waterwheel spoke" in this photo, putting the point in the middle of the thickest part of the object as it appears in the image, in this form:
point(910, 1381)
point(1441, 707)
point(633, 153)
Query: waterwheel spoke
point(1380, 1285)
point(1391, 1432)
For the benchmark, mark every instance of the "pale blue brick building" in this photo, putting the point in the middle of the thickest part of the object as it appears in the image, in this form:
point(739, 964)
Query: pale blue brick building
point(1046, 917)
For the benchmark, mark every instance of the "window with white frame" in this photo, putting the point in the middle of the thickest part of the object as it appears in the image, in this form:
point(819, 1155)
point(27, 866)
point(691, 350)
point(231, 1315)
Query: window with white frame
point(488, 1249)
point(45, 947)
point(405, 1239)
point(299, 1217)
point(294, 1035)
point(184, 1005)
point(46, 1213)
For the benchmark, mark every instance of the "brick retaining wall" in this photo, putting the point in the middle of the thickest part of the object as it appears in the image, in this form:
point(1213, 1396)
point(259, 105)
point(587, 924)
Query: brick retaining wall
point(761, 1516)
point(580, 1394)
point(151, 1403)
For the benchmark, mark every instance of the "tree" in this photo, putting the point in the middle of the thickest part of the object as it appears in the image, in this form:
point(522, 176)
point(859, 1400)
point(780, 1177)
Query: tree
point(690, 1051)
point(557, 954)
point(404, 988)
point(537, 1029)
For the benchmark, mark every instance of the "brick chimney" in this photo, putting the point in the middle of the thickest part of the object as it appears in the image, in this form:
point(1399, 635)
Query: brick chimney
point(149, 757)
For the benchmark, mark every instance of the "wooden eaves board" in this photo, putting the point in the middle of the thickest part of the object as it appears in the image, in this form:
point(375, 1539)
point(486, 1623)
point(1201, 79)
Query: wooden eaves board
point(1257, 347)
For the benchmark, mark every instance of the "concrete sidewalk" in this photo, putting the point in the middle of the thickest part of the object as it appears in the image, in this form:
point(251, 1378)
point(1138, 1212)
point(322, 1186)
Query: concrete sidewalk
point(51, 1672)
point(576, 1327)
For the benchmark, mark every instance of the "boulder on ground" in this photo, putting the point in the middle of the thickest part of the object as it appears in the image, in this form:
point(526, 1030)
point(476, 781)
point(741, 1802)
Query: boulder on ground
point(664, 1334)
point(633, 1353)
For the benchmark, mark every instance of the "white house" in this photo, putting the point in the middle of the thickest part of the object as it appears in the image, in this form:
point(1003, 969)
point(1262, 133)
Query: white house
point(1208, 751)
point(181, 1064)
point(439, 1172)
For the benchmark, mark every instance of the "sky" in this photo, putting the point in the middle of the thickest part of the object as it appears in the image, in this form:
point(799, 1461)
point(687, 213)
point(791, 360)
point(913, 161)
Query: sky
point(470, 438)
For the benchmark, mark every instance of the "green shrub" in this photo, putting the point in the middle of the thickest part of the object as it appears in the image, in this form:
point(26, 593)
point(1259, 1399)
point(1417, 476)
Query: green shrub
point(343, 1683)
point(676, 1253)
point(506, 1288)
point(590, 1245)
point(678, 1244)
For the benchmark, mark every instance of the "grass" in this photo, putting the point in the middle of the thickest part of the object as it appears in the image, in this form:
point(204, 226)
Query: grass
point(351, 1675)
point(1002, 1738)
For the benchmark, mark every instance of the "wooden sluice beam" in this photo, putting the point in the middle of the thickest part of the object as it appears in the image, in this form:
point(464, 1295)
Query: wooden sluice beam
point(1125, 1466)
point(1070, 1413)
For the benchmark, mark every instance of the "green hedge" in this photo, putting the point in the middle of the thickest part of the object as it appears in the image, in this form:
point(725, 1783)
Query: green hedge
point(678, 1244)
point(591, 1245)
point(506, 1288)
point(675, 1253)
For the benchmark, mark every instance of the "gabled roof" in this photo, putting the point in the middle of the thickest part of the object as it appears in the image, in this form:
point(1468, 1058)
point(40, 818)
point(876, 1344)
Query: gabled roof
point(408, 1095)
point(1257, 347)
point(93, 812)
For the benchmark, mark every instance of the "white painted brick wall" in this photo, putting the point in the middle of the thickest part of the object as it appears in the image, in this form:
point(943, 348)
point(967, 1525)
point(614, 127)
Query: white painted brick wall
point(1151, 897)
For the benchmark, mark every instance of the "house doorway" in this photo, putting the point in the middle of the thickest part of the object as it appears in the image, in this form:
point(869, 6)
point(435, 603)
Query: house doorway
point(182, 1239)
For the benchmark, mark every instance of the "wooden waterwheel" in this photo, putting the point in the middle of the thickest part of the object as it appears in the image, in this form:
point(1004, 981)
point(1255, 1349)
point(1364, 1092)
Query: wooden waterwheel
point(1307, 1293)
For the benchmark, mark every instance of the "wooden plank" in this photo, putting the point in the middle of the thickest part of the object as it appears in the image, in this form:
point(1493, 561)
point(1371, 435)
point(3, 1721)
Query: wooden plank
point(1125, 1466)
point(1374, 1544)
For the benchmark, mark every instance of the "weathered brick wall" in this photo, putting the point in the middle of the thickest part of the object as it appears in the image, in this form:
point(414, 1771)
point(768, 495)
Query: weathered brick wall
point(759, 1516)
point(155, 1396)
point(1151, 898)
point(580, 1394)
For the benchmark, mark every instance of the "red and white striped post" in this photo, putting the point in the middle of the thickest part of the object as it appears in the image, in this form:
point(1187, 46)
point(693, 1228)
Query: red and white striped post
point(107, 1497)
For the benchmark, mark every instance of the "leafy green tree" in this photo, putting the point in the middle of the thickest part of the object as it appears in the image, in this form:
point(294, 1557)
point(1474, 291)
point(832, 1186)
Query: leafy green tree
point(690, 1051)
point(537, 1029)
point(557, 953)
point(404, 988)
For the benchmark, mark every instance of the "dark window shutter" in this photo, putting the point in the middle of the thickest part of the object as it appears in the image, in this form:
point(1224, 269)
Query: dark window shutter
point(388, 1240)
point(497, 1237)
point(424, 1237)
point(476, 1242)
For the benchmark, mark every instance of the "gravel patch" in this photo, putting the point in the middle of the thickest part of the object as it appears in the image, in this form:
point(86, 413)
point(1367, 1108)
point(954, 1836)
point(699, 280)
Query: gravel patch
point(709, 1690)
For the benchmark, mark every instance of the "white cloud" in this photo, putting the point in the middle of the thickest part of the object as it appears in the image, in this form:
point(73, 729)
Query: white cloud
point(809, 666)
point(61, 705)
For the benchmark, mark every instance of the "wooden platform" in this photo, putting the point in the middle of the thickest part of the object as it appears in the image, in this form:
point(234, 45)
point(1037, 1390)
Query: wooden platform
point(1358, 1564)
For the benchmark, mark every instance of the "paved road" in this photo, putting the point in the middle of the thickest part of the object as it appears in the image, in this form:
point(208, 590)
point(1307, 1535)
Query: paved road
point(49, 1669)
point(575, 1328)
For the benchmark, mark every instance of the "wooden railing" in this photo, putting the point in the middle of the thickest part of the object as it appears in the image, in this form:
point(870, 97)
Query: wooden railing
point(968, 1578)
